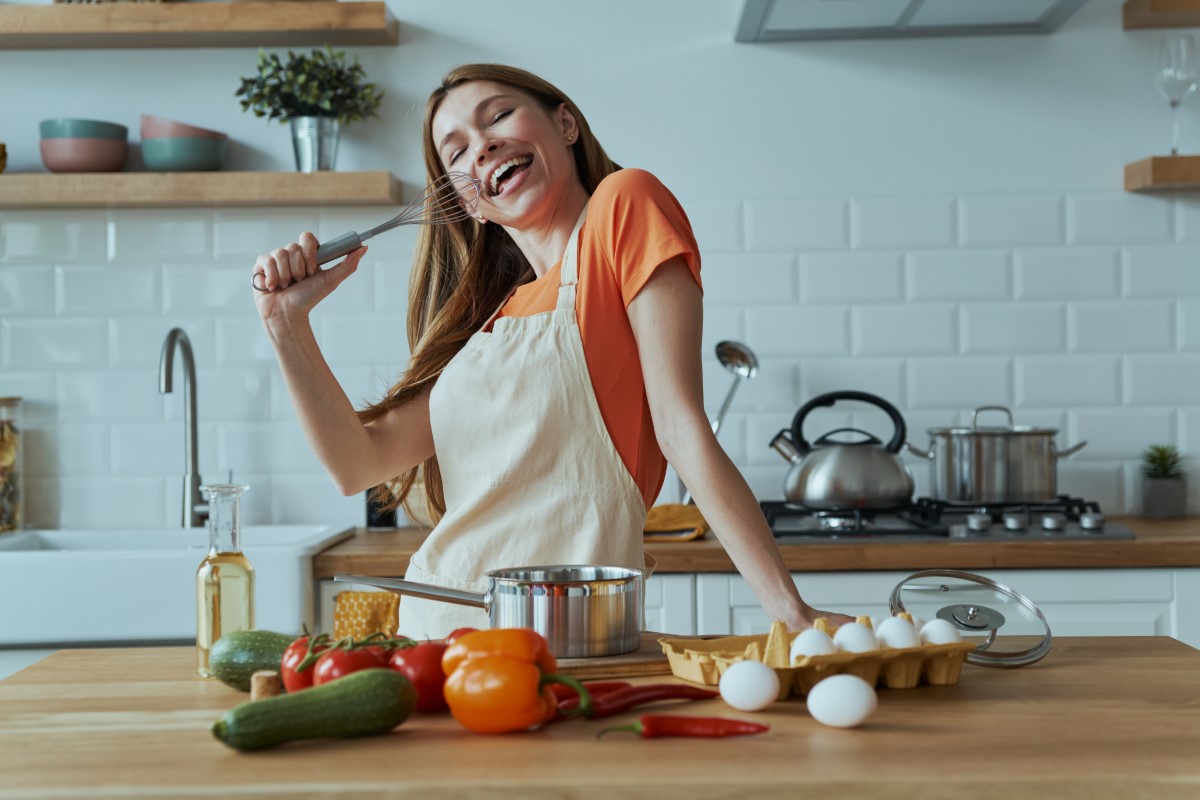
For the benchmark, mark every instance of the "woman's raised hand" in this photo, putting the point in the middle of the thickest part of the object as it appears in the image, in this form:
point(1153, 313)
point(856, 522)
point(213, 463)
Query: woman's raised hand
point(288, 280)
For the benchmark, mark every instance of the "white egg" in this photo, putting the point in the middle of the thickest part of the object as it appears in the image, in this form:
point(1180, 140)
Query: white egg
point(842, 701)
point(897, 632)
point(917, 623)
point(811, 642)
point(875, 622)
point(854, 637)
point(940, 631)
point(749, 686)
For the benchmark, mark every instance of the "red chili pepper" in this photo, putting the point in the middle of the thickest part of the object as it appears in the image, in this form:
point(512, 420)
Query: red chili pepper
point(564, 692)
point(653, 726)
point(632, 696)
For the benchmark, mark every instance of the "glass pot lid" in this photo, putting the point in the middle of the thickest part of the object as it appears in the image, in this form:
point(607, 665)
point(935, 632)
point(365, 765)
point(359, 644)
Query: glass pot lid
point(1007, 628)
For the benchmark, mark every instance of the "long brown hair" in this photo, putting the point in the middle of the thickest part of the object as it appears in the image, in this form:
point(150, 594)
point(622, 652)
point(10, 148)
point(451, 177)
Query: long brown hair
point(463, 271)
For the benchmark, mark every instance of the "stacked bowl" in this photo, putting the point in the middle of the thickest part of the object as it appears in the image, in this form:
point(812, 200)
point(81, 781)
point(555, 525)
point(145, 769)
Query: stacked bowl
point(169, 146)
point(83, 145)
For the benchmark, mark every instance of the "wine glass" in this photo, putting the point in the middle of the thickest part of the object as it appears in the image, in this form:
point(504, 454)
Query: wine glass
point(1178, 72)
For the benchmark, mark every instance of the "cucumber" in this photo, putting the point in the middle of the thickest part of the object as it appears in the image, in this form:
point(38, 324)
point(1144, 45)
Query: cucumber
point(236, 656)
point(364, 703)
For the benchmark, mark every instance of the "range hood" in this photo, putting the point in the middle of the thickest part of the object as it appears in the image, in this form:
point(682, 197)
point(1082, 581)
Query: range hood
point(796, 20)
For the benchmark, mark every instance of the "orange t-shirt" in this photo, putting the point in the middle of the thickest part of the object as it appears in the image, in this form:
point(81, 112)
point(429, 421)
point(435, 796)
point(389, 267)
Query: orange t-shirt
point(634, 224)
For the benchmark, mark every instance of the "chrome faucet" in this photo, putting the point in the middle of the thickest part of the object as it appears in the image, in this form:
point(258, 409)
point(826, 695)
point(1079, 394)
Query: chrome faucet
point(195, 510)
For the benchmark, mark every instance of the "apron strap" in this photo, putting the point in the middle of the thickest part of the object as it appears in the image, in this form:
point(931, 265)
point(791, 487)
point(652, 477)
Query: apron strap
point(570, 269)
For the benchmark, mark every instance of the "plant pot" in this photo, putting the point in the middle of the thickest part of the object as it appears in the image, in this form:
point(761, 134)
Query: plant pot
point(1164, 497)
point(315, 142)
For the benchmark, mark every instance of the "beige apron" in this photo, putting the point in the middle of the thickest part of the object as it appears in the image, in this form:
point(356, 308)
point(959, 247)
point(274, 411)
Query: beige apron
point(531, 476)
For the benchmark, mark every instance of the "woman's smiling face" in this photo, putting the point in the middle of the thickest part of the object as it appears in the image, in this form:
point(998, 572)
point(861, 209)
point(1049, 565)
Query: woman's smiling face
point(518, 151)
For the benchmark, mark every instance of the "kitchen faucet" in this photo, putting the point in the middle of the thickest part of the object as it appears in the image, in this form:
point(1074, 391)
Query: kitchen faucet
point(195, 510)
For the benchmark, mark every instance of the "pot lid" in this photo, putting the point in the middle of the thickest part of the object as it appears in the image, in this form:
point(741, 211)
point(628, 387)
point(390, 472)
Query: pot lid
point(976, 428)
point(1007, 628)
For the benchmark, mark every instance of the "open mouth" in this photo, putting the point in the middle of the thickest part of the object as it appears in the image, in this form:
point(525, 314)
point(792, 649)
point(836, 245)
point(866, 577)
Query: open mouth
point(506, 171)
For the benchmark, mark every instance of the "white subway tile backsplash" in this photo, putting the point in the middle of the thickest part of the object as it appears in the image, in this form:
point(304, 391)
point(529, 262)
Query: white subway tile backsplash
point(1163, 271)
point(397, 243)
point(749, 279)
point(1189, 324)
point(761, 428)
point(200, 288)
point(67, 449)
point(879, 376)
point(266, 447)
point(959, 275)
point(239, 235)
point(114, 502)
point(1013, 328)
point(1121, 432)
point(305, 499)
point(40, 343)
point(1099, 482)
point(796, 224)
point(851, 277)
point(45, 236)
point(717, 226)
point(1067, 273)
point(1012, 220)
point(916, 329)
point(227, 395)
point(242, 342)
point(904, 222)
point(390, 290)
point(1068, 380)
point(1122, 327)
point(157, 448)
point(959, 383)
point(1189, 435)
point(377, 340)
point(138, 341)
point(775, 388)
point(1118, 219)
point(1155, 379)
point(26, 290)
point(162, 235)
point(721, 324)
point(36, 390)
point(800, 330)
point(88, 290)
point(112, 396)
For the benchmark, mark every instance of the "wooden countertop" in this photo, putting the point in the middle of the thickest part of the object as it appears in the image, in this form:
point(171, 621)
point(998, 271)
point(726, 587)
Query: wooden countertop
point(1159, 543)
point(1098, 718)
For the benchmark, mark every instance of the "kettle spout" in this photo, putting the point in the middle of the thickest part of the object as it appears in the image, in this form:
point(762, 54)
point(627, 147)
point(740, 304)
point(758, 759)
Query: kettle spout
point(783, 444)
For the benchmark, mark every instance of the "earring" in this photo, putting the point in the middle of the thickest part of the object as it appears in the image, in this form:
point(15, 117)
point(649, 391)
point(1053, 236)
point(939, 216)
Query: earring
point(481, 219)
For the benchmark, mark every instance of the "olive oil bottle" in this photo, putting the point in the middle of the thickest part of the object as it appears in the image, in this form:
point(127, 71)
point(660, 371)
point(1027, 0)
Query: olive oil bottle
point(225, 579)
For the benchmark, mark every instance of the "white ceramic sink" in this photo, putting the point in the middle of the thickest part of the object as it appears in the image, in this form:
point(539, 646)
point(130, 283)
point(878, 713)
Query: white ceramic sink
point(104, 586)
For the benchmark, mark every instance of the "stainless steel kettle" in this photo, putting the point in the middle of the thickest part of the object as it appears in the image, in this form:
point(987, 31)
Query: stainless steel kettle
point(830, 475)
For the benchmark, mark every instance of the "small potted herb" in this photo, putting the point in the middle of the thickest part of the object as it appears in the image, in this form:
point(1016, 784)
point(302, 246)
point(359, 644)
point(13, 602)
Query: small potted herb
point(315, 93)
point(1164, 482)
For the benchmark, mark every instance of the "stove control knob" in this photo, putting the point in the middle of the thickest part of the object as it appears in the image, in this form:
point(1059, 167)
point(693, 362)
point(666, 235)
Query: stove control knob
point(979, 522)
point(1054, 522)
point(1015, 522)
point(1091, 521)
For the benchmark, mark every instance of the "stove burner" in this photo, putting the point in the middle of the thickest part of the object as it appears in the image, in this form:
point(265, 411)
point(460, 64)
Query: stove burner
point(1015, 522)
point(1054, 522)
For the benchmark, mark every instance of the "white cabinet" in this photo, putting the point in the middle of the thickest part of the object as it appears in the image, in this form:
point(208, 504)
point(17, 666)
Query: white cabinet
point(670, 603)
point(1076, 602)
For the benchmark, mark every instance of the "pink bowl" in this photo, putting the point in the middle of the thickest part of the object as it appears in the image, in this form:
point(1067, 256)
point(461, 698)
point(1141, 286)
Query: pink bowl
point(84, 155)
point(160, 128)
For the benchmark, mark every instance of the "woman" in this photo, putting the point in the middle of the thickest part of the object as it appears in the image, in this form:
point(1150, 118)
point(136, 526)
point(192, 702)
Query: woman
point(555, 369)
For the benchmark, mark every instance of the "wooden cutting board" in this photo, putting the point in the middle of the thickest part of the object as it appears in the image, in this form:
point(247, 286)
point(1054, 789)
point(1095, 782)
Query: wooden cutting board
point(649, 659)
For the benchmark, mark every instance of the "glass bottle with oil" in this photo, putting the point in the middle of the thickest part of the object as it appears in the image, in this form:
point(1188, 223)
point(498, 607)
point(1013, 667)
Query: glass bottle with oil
point(225, 579)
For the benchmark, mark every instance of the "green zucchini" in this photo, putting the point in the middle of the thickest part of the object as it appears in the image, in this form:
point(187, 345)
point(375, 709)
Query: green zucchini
point(364, 703)
point(236, 656)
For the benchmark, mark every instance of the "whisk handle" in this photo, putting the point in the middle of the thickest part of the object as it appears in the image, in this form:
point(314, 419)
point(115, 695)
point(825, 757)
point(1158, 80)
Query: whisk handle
point(336, 248)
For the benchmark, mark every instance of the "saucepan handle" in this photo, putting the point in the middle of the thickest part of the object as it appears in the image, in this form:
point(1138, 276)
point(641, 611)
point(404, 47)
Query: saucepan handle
point(414, 589)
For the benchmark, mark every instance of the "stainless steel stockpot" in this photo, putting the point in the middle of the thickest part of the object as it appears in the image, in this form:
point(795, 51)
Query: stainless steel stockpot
point(582, 611)
point(1011, 464)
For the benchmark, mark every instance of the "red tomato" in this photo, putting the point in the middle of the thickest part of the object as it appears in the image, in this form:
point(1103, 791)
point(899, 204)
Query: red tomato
point(457, 633)
point(423, 666)
point(294, 681)
point(337, 663)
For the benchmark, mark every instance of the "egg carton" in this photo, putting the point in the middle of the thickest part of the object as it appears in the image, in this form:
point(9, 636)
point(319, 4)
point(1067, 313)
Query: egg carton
point(705, 661)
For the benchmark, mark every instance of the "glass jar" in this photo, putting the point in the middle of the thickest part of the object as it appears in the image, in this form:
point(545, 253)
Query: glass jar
point(225, 579)
point(12, 495)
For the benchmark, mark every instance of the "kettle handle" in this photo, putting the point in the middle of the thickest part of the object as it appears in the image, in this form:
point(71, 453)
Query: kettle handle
point(830, 398)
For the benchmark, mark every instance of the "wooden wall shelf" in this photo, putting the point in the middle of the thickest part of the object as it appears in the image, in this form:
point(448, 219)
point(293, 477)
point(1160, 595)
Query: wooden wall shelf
point(192, 189)
point(1161, 14)
point(1163, 174)
point(152, 25)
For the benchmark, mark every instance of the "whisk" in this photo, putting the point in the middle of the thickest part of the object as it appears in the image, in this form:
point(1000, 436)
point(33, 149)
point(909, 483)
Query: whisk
point(451, 198)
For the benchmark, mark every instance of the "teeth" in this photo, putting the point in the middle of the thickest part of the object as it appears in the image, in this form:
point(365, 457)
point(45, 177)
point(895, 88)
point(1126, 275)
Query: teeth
point(500, 171)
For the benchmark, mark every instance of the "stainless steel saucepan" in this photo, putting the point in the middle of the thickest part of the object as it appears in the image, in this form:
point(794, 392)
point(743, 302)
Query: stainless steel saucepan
point(582, 611)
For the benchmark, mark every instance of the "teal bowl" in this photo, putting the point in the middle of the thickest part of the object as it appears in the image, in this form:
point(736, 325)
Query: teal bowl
point(183, 154)
point(81, 129)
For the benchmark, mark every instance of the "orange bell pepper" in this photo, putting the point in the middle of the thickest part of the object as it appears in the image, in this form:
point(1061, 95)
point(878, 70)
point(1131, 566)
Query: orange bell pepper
point(499, 681)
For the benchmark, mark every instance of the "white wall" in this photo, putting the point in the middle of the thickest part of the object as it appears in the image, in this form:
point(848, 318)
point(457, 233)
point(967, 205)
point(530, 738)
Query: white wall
point(938, 221)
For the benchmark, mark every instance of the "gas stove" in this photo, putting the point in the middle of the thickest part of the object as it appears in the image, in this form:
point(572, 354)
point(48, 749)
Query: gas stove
point(927, 520)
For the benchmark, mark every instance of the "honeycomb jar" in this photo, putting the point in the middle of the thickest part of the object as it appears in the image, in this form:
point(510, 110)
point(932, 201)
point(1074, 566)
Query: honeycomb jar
point(12, 495)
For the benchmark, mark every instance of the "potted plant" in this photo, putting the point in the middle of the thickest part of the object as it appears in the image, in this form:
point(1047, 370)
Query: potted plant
point(1164, 483)
point(315, 93)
